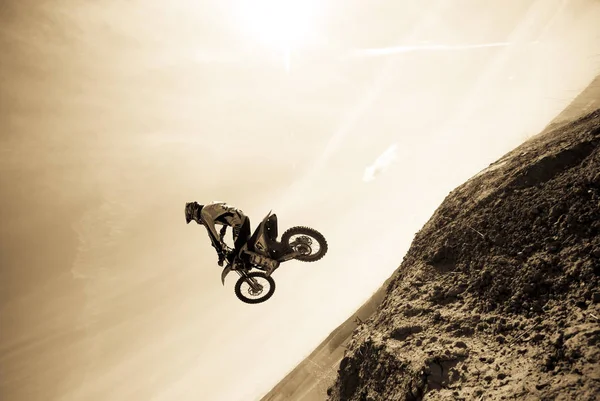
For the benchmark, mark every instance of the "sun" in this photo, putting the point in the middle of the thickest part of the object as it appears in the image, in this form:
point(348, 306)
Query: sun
point(282, 25)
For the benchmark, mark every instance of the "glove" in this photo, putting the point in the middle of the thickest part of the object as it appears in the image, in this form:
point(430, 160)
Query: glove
point(222, 233)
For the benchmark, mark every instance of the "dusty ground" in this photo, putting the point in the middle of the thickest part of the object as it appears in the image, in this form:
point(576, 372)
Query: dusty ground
point(498, 296)
point(310, 379)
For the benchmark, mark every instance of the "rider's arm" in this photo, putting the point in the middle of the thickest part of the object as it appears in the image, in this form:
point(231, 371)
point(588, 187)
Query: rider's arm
point(222, 233)
point(209, 222)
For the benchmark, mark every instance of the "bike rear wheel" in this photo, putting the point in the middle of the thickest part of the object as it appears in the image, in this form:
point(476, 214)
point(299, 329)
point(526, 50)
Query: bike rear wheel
point(309, 242)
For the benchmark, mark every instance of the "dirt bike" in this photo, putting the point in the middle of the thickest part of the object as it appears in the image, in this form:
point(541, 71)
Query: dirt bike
point(263, 254)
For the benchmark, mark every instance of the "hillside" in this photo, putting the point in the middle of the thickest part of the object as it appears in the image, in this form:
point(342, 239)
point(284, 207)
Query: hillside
point(309, 380)
point(586, 102)
point(498, 296)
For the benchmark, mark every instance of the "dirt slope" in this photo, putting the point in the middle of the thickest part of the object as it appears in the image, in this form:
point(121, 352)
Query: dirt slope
point(586, 102)
point(498, 296)
point(309, 380)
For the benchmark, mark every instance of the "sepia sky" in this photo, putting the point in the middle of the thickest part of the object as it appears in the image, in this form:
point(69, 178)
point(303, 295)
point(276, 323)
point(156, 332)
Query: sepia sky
point(355, 118)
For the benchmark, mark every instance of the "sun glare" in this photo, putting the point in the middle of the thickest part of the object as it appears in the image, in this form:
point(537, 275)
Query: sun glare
point(283, 25)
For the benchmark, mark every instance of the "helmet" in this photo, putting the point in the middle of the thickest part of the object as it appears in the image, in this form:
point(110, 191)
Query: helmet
point(192, 211)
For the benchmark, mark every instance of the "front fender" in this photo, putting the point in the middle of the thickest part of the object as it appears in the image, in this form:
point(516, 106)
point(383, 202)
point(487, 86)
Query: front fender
point(225, 272)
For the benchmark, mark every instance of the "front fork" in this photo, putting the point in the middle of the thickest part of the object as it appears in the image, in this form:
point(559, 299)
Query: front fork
point(251, 281)
point(256, 287)
point(242, 273)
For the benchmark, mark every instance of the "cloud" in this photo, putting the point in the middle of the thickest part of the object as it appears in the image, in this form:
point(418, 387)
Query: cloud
point(387, 51)
point(382, 163)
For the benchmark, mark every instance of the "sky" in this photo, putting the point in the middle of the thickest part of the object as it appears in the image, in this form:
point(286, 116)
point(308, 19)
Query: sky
point(355, 118)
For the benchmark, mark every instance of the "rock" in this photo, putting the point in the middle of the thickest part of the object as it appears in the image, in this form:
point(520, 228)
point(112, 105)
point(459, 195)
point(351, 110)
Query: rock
point(501, 376)
point(553, 246)
point(538, 337)
point(402, 333)
point(460, 344)
point(596, 297)
point(500, 339)
point(556, 210)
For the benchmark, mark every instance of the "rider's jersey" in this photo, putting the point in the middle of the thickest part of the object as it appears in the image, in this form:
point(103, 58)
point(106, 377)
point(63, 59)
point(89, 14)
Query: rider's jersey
point(222, 214)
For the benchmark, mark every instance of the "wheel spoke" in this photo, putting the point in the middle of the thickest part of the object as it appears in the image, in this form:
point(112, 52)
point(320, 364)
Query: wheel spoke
point(304, 241)
point(254, 287)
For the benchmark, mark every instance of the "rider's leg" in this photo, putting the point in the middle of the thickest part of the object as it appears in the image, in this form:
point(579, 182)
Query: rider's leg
point(243, 235)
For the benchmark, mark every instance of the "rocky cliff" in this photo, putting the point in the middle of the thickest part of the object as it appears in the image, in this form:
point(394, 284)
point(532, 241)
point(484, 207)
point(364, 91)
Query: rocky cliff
point(498, 296)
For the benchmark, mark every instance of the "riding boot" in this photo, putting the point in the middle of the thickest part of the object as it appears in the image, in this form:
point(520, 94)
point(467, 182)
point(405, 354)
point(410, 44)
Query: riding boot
point(234, 260)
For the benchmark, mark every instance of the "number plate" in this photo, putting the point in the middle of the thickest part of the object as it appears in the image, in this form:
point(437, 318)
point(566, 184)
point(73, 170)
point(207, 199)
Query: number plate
point(263, 261)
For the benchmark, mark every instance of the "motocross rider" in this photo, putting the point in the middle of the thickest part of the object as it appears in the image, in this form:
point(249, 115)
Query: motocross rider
point(227, 216)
